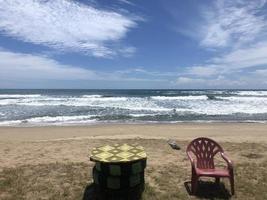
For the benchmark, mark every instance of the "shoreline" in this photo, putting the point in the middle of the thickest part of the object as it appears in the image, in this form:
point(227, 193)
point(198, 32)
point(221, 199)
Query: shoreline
point(232, 132)
point(103, 123)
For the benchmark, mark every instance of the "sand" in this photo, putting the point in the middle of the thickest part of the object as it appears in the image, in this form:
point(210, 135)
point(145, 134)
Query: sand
point(56, 152)
point(35, 145)
point(232, 132)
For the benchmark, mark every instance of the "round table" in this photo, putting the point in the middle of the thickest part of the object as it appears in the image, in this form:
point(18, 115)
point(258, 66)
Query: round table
point(119, 167)
point(118, 153)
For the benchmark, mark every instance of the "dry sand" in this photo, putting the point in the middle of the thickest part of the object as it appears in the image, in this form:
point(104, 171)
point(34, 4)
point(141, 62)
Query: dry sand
point(35, 145)
point(231, 132)
point(35, 161)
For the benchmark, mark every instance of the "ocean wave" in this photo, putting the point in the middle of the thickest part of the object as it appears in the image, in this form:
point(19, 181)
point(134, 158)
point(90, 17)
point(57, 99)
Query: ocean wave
point(79, 107)
point(244, 98)
point(10, 122)
point(60, 118)
point(252, 93)
point(52, 120)
point(204, 92)
point(141, 115)
point(198, 104)
point(6, 96)
point(4, 102)
point(109, 99)
point(129, 103)
point(201, 97)
point(92, 96)
point(144, 118)
point(61, 101)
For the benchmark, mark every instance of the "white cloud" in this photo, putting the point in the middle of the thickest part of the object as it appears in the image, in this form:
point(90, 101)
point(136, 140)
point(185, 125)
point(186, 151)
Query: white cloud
point(187, 80)
point(219, 82)
point(66, 25)
point(127, 2)
point(244, 66)
point(233, 23)
point(244, 57)
point(261, 72)
point(143, 72)
point(239, 30)
point(32, 69)
point(236, 60)
point(18, 66)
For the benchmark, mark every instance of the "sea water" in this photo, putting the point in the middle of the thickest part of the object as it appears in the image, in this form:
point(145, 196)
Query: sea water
point(74, 107)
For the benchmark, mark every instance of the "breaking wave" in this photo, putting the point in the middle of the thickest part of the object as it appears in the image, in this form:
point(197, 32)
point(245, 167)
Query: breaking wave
point(86, 107)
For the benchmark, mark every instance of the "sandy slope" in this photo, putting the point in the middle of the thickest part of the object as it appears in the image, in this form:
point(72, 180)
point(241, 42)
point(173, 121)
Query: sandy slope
point(233, 132)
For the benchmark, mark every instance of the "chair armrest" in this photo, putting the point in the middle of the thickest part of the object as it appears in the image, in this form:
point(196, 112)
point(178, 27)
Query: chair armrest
point(191, 158)
point(227, 160)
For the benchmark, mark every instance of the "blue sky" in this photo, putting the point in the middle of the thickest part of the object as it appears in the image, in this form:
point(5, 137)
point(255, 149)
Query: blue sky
point(133, 44)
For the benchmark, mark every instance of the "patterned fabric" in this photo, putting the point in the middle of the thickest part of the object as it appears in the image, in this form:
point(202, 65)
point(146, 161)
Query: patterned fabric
point(117, 182)
point(118, 153)
point(121, 169)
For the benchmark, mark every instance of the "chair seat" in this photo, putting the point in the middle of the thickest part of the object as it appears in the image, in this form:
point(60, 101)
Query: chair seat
point(213, 172)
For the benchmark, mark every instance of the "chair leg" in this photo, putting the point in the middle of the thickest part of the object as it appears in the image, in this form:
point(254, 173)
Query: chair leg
point(232, 183)
point(217, 180)
point(194, 181)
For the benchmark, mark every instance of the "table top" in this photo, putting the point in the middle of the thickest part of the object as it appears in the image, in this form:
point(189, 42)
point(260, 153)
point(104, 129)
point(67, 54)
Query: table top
point(118, 153)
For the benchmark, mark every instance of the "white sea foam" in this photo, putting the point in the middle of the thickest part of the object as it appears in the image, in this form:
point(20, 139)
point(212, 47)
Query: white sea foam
point(106, 99)
point(252, 93)
point(8, 102)
point(56, 119)
point(92, 96)
point(201, 92)
point(228, 108)
point(245, 98)
point(51, 120)
point(130, 103)
point(242, 104)
point(10, 122)
point(141, 115)
point(201, 97)
point(194, 104)
point(19, 96)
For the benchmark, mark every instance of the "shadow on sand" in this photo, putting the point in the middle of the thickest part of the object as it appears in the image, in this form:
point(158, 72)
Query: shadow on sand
point(209, 190)
point(92, 192)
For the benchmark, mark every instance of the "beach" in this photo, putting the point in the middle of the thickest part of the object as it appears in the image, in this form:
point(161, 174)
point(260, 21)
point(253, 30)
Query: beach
point(230, 132)
point(52, 162)
point(130, 98)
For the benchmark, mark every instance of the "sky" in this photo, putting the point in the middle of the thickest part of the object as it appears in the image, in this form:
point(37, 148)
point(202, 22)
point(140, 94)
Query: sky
point(133, 44)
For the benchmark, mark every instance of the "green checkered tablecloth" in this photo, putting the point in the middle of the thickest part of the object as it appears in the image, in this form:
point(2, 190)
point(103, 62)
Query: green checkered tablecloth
point(118, 166)
point(118, 153)
point(117, 182)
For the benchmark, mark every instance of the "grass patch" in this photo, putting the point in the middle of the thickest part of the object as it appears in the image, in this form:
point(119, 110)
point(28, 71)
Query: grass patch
point(253, 155)
point(164, 180)
point(68, 181)
point(53, 181)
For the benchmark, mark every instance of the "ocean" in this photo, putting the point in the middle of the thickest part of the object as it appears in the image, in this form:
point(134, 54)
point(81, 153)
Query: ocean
point(85, 107)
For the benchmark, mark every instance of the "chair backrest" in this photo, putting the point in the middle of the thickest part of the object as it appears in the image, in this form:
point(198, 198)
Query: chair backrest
point(204, 149)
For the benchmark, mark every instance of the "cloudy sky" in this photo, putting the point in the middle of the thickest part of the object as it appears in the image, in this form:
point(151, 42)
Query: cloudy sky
point(133, 44)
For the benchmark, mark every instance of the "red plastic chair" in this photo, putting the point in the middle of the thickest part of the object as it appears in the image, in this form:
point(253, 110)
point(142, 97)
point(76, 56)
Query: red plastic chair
point(201, 152)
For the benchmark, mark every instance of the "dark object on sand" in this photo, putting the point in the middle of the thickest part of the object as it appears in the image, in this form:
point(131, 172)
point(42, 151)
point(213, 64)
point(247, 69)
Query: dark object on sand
point(201, 152)
point(173, 144)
